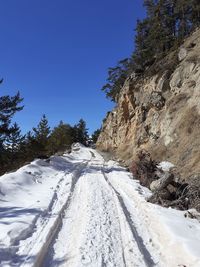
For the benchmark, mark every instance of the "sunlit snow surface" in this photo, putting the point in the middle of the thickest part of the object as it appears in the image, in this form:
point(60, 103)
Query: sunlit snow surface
point(165, 166)
point(78, 210)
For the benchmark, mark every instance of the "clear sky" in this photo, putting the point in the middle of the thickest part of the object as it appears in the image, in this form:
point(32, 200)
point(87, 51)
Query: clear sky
point(57, 52)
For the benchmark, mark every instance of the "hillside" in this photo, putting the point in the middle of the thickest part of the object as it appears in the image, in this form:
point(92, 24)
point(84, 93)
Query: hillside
point(160, 112)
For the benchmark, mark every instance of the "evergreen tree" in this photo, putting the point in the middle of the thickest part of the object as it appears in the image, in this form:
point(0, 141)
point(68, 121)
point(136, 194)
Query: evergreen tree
point(95, 135)
point(15, 140)
point(116, 78)
point(30, 147)
point(41, 134)
point(61, 138)
point(150, 7)
point(155, 34)
point(195, 15)
point(143, 51)
point(42, 131)
point(165, 18)
point(183, 10)
point(166, 24)
point(8, 107)
point(14, 145)
point(80, 132)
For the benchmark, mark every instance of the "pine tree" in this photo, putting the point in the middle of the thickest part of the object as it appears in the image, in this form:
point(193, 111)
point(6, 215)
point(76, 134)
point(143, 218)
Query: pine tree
point(95, 135)
point(164, 28)
point(41, 134)
point(161, 28)
point(15, 140)
point(167, 20)
point(14, 146)
point(150, 7)
point(195, 15)
point(8, 107)
point(116, 78)
point(61, 138)
point(80, 132)
point(30, 146)
point(183, 11)
point(143, 53)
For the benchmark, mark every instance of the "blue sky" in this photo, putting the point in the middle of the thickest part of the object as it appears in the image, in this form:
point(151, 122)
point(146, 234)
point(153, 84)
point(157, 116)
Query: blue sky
point(57, 52)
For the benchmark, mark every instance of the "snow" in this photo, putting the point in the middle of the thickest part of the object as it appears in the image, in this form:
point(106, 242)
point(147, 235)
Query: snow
point(79, 210)
point(165, 166)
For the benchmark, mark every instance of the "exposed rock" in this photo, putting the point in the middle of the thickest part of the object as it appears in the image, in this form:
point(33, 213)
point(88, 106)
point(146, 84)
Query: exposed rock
point(156, 100)
point(160, 113)
point(163, 182)
point(182, 53)
point(143, 168)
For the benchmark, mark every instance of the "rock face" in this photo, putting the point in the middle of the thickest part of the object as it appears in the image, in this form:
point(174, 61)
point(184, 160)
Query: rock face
point(160, 113)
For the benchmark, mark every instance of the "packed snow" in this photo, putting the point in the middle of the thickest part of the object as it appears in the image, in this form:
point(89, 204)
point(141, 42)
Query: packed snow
point(79, 210)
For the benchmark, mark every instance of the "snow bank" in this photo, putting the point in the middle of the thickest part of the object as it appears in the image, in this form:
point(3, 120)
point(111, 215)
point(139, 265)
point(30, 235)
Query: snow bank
point(29, 195)
point(175, 237)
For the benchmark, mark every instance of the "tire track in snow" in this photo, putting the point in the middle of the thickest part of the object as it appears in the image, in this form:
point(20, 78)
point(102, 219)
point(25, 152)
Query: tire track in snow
point(103, 244)
point(91, 233)
point(45, 254)
point(47, 259)
point(141, 246)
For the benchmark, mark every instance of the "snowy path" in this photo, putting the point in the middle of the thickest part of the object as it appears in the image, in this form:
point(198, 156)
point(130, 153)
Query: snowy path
point(97, 217)
point(98, 226)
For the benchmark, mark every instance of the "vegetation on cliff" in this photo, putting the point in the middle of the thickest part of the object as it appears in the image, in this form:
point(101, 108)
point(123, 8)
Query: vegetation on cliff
point(166, 24)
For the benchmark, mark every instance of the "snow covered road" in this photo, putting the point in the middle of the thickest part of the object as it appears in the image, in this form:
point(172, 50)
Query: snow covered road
point(79, 210)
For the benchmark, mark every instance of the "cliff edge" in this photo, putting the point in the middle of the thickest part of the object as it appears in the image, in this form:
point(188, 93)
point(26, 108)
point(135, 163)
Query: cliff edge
point(160, 112)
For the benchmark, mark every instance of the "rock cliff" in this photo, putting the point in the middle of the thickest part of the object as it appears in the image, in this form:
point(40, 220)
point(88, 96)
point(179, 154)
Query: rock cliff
point(160, 112)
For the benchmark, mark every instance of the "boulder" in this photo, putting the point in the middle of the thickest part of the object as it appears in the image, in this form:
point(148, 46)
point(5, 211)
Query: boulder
point(162, 183)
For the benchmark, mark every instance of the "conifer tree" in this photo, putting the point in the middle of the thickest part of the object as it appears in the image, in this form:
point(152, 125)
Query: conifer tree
point(150, 7)
point(41, 134)
point(95, 135)
point(80, 132)
point(30, 145)
point(183, 10)
point(43, 130)
point(15, 140)
point(143, 50)
point(195, 15)
point(116, 79)
point(14, 145)
point(166, 24)
point(8, 107)
point(61, 138)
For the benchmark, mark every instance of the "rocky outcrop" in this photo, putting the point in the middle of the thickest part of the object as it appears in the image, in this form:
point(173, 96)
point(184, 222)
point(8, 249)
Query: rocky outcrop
point(160, 113)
